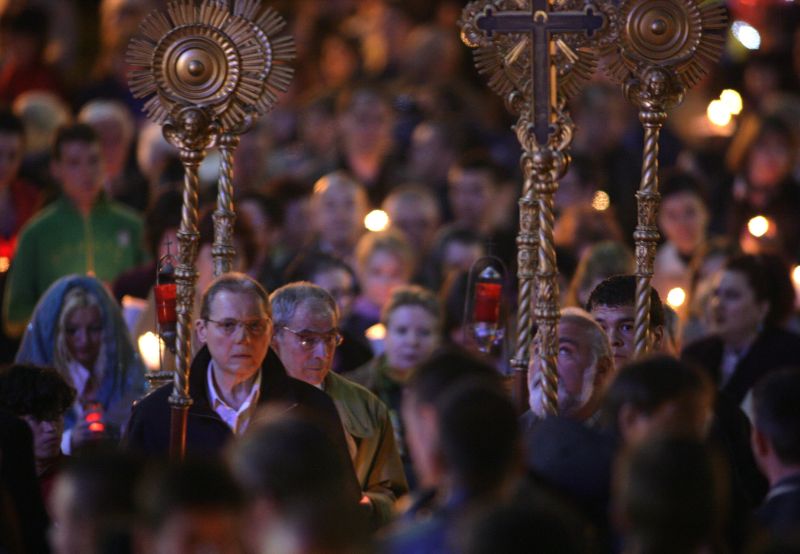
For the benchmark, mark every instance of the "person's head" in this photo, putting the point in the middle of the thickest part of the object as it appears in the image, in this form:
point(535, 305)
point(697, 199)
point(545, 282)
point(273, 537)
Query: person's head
point(670, 496)
point(433, 148)
point(683, 215)
point(236, 324)
point(598, 262)
point(445, 369)
point(584, 364)
point(76, 163)
point(115, 128)
point(776, 423)
point(414, 211)
point(306, 320)
point(330, 273)
point(768, 158)
point(365, 121)
point(472, 181)
point(42, 112)
point(478, 436)
point(384, 261)
point(455, 249)
point(750, 292)
point(339, 204)
point(658, 394)
point(79, 336)
point(295, 481)
point(413, 321)
point(187, 507)
point(612, 304)
point(12, 147)
point(40, 396)
point(92, 503)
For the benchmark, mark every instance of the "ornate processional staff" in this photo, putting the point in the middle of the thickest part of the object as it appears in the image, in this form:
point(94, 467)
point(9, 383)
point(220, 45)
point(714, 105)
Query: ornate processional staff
point(209, 70)
point(662, 50)
point(535, 55)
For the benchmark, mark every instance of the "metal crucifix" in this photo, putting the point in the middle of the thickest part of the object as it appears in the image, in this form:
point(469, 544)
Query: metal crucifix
point(530, 52)
point(541, 23)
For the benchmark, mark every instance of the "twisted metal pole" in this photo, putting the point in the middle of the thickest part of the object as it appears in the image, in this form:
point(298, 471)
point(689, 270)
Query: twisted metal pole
point(646, 234)
point(527, 258)
point(222, 249)
point(548, 166)
point(192, 132)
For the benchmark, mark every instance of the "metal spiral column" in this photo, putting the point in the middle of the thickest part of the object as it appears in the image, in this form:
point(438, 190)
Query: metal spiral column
point(223, 250)
point(527, 257)
point(646, 234)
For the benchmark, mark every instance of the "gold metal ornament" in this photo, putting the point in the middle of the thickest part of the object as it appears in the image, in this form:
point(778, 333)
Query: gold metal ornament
point(663, 48)
point(535, 54)
point(208, 70)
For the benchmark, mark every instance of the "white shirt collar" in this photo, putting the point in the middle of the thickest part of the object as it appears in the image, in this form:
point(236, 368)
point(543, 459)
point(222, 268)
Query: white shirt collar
point(236, 419)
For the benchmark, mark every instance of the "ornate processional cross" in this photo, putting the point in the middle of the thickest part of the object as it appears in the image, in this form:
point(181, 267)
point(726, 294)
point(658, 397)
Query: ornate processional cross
point(541, 24)
point(535, 57)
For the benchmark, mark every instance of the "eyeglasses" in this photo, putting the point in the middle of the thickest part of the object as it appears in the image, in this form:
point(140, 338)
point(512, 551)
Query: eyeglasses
point(254, 327)
point(309, 340)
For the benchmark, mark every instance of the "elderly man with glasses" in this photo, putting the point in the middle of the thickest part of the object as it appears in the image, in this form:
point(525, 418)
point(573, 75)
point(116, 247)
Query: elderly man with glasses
point(305, 337)
point(232, 376)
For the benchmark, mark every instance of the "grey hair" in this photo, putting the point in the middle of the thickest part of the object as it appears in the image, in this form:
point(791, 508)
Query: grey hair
point(238, 283)
point(286, 299)
point(598, 340)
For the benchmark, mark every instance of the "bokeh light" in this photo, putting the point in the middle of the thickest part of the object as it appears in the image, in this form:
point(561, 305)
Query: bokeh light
point(676, 297)
point(758, 226)
point(746, 34)
point(601, 201)
point(376, 220)
point(732, 101)
point(149, 347)
point(718, 113)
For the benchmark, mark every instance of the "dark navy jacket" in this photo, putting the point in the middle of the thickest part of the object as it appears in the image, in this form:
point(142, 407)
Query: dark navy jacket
point(206, 433)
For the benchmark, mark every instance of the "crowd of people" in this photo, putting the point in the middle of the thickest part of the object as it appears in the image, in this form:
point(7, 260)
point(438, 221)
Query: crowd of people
point(343, 399)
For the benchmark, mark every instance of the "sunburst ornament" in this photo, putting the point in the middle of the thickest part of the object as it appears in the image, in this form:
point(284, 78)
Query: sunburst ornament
point(682, 36)
point(227, 61)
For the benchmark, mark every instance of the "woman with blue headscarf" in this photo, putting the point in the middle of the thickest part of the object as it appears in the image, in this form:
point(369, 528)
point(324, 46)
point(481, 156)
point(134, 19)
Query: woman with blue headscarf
point(77, 327)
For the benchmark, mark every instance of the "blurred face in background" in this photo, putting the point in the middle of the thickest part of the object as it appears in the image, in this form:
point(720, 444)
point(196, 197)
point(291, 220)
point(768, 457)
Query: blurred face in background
point(768, 164)
point(683, 218)
point(735, 312)
point(83, 334)
point(79, 170)
point(470, 193)
point(339, 283)
point(339, 210)
point(367, 126)
point(383, 272)
point(412, 334)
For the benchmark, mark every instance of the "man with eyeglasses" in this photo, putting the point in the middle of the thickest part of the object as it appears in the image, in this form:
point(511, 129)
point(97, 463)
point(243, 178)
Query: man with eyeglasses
point(232, 376)
point(305, 337)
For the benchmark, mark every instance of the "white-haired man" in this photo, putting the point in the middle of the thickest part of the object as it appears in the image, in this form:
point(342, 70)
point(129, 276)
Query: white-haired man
point(585, 364)
point(305, 338)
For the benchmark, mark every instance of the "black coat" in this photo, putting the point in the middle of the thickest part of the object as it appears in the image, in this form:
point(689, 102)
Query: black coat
point(780, 513)
point(773, 349)
point(206, 433)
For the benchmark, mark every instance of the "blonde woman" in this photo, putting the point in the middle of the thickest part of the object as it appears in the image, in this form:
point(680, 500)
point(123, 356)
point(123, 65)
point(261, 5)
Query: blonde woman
point(78, 329)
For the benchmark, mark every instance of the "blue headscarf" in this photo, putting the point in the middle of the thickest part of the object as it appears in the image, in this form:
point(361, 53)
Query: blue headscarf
point(123, 375)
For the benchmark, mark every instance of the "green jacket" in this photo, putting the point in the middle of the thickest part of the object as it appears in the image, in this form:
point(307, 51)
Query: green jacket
point(373, 449)
point(59, 241)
